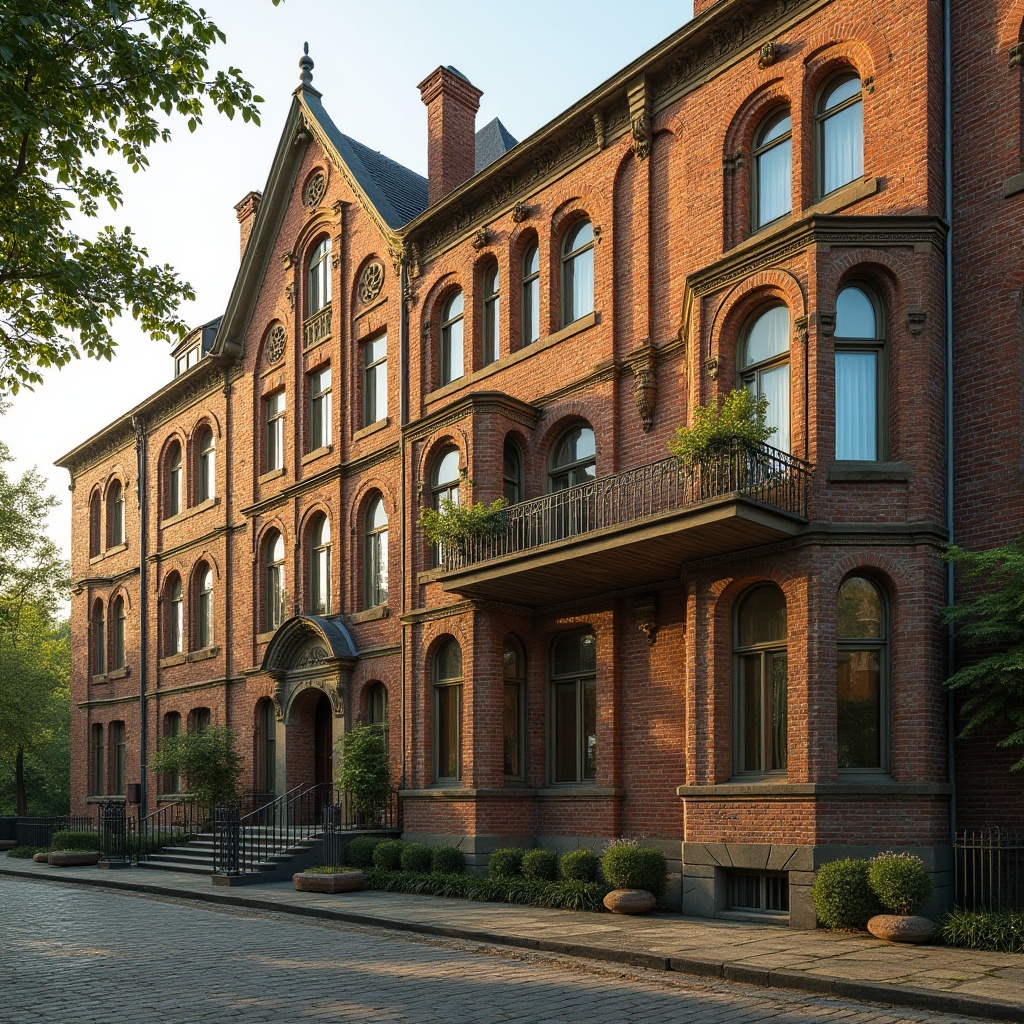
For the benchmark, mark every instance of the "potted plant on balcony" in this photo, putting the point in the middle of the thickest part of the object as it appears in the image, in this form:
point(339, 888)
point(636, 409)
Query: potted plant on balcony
point(738, 419)
point(453, 526)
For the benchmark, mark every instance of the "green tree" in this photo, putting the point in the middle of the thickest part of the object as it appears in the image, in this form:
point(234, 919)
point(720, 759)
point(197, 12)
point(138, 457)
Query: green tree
point(365, 772)
point(208, 762)
point(989, 623)
point(84, 85)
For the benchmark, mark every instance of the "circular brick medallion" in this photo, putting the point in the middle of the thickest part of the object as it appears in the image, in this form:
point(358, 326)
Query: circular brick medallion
point(314, 190)
point(275, 345)
point(371, 281)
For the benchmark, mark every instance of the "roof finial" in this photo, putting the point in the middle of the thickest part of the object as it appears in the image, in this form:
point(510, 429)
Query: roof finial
point(305, 68)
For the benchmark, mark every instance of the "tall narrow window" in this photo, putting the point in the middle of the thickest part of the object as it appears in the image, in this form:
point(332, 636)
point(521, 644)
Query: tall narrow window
point(118, 758)
point(117, 615)
point(862, 704)
point(207, 466)
point(273, 407)
point(491, 313)
point(375, 379)
point(172, 728)
point(452, 338)
point(764, 369)
point(512, 472)
point(95, 525)
point(318, 279)
point(320, 409)
point(578, 272)
point(376, 567)
point(115, 514)
point(444, 485)
point(320, 567)
point(530, 313)
point(97, 778)
point(573, 753)
point(514, 673)
point(205, 608)
point(266, 772)
point(840, 132)
point(175, 616)
point(175, 481)
point(274, 593)
point(448, 711)
point(860, 351)
point(773, 169)
point(760, 699)
point(99, 639)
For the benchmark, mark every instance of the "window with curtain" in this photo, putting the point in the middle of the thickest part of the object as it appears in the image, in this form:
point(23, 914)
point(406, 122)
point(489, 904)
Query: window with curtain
point(840, 132)
point(175, 481)
point(447, 677)
point(764, 369)
point(115, 513)
point(578, 272)
point(861, 697)
point(376, 567)
point(319, 409)
point(760, 686)
point(514, 673)
point(175, 616)
point(530, 312)
point(117, 614)
point(575, 459)
point(207, 465)
point(318, 278)
point(320, 567)
point(273, 611)
point(573, 739)
point(512, 472)
point(860, 376)
point(452, 326)
point(95, 525)
point(204, 608)
point(491, 312)
point(773, 168)
point(375, 379)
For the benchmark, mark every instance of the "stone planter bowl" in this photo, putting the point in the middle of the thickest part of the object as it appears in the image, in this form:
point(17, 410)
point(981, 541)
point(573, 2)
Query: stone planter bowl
point(43, 857)
point(630, 901)
point(72, 858)
point(341, 881)
point(902, 928)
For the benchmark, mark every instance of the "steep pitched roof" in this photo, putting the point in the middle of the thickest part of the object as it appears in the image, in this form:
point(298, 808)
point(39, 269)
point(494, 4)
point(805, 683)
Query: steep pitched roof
point(492, 141)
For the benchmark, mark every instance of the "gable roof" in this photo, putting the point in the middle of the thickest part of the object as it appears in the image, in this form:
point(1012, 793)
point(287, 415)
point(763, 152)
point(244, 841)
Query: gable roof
point(492, 141)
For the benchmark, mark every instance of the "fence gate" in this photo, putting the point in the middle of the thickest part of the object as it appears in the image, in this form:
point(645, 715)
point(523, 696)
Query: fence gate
point(113, 833)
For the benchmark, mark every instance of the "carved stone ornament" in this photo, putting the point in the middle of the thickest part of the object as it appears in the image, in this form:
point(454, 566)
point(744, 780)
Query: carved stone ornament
point(640, 128)
point(827, 322)
point(645, 389)
point(647, 617)
point(289, 294)
point(398, 257)
point(801, 330)
point(314, 190)
point(599, 128)
point(520, 212)
point(769, 54)
point(274, 349)
point(371, 281)
point(1017, 55)
point(481, 238)
point(915, 320)
point(711, 367)
point(311, 656)
point(409, 296)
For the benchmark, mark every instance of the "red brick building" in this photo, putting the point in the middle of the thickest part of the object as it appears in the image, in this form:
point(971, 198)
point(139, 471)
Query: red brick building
point(740, 662)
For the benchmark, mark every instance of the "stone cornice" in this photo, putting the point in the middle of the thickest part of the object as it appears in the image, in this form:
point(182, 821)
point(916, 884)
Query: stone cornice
point(495, 403)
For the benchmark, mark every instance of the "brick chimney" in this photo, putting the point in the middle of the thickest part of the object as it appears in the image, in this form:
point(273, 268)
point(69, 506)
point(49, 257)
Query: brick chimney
point(246, 211)
point(452, 102)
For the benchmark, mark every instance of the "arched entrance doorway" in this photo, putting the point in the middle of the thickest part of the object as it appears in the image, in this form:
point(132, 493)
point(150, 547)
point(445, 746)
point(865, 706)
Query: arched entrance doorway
point(310, 742)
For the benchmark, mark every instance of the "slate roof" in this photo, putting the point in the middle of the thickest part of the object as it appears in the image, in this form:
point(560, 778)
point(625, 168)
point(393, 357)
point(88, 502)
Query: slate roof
point(492, 141)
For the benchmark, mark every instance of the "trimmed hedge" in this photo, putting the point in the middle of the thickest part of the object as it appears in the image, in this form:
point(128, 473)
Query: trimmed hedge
point(580, 866)
point(448, 860)
point(541, 865)
point(626, 866)
point(388, 855)
point(416, 857)
point(79, 842)
point(900, 882)
point(842, 894)
point(24, 852)
point(506, 863)
point(525, 891)
point(359, 853)
point(999, 931)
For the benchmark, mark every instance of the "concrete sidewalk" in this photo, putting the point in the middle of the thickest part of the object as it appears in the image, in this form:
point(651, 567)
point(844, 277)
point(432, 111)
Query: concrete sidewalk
point(986, 985)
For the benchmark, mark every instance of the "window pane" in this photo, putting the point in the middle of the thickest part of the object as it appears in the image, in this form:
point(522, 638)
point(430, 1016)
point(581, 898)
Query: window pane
point(763, 617)
point(844, 146)
point(448, 701)
point(780, 718)
point(451, 352)
point(774, 385)
point(859, 709)
point(855, 315)
point(857, 405)
point(750, 700)
point(449, 661)
point(565, 732)
point(860, 609)
point(589, 729)
point(511, 729)
point(774, 177)
point(768, 336)
point(579, 285)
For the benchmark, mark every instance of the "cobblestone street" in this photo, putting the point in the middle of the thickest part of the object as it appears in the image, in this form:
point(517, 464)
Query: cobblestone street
point(91, 957)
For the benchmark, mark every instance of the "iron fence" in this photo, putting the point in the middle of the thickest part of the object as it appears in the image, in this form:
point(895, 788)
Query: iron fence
point(113, 833)
point(173, 824)
point(38, 830)
point(989, 869)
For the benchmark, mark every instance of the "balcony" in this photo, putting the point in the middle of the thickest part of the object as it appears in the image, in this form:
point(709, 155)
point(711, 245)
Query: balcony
point(316, 328)
point(633, 529)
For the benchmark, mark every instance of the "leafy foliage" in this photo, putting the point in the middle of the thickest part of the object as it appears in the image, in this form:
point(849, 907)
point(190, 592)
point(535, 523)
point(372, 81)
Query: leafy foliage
point(737, 415)
point(416, 857)
point(24, 852)
point(580, 866)
point(626, 865)
point(78, 841)
point(900, 882)
point(448, 860)
point(541, 865)
point(506, 862)
point(388, 855)
point(1001, 931)
point(842, 894)
point(990, 633)
point(82, 85)
point(208, 762)
point(359, 852)
point(452, 524)
point(365, 771)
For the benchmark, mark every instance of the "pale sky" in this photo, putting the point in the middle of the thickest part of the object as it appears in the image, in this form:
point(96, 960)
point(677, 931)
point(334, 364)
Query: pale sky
point(532, 59)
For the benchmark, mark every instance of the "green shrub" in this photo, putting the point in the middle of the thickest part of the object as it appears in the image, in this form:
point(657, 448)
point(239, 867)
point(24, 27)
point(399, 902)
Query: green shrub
point(208, 762)
point(1000, 931)
point(365, 771)
point(448, 860)
point(628, 866)
point(580, 866)
point(900, 882)
point(388, 855)
point(24, 852)
point(359, 853)
point(506, 863)
point(416, 857)
point(84, 842)
point(842, 895)
point(452, 525)
point(738, 417)
point(541, 865)
point(322, 869)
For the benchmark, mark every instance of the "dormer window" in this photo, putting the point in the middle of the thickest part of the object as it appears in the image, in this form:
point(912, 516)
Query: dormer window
point(187, 359)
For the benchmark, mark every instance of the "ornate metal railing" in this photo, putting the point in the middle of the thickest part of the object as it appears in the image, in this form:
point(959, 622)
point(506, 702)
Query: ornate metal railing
point(174, 824)
point(989, 869)
point(760, 473)
point(37, 830)
point(317, 327)
point(113, 833)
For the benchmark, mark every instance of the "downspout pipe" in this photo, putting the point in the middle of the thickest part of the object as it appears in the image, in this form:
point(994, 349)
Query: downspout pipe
point(139, 426)
point(403, 419)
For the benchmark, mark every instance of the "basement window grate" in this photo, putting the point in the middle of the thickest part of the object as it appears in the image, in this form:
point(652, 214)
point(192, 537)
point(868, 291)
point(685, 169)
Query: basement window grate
point(754, 892)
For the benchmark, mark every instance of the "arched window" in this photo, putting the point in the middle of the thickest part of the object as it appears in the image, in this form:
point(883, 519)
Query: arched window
point(447, 677)
point(773, 169)
point(861, 692)
point(207, 465)
point(764, 369)
point(273, 613)
point(376, 555)
point(95, 528)
point(512, 472)
point(204, 623)
point(115, 514)
point(318, 278)
point(175, 616)
point(839, 124)
point(530, 312)
point(444, 485)
point(491, 312)
point(320, 567)
point(377, 705)
point(573, 741)
point(99, 639)
point(760, 697)
point(860, 375)
point(452, 338)
point(97, 760)
point(175, 480)
point(172, 728)
point(118, 757)
point(514, 673)
point(578, 272)
point(199, 720)
point(117, 615)
point(575, 459)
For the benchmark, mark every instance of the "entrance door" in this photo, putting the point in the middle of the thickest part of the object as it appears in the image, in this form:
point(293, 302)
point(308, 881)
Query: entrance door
point(323, 743)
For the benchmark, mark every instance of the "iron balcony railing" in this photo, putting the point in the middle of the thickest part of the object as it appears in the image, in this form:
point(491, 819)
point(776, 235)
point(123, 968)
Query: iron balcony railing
point(757, 472)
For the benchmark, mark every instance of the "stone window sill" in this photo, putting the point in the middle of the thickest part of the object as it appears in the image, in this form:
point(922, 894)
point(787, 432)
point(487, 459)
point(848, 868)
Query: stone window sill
point(189, 512)
point(107, 552)
point(103, 798)
point(877, 785)
point(316, 453)
point(371, 428)
point(173, 659)
point(119, 673)
point(203, 654)
point(1013, 186)
point(868, 472)
point(370, 614)
point(271, 474)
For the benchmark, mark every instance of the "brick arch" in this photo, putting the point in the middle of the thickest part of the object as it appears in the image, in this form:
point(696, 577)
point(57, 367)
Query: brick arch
point(121, 591)
point(430, 326)
point(435, 637)
point(207, 558)
point(309, 513)
point(206, 419)
point(826, 56)
point(117, 474)
point(556, 422)
point(452, 437)
point(361, 502)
